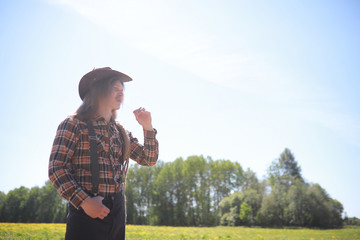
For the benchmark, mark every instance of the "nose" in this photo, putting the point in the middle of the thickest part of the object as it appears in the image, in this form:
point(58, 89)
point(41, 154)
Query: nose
point(120, 93)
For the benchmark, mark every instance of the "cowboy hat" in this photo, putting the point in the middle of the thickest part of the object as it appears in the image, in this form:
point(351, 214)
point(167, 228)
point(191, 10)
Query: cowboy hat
point(98, 74)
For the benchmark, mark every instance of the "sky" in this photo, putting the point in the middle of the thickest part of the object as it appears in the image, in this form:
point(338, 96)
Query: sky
point(236, 80)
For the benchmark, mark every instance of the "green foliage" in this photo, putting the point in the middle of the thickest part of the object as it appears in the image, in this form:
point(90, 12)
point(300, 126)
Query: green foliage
point(230, 210)
point(284, 170)
point(32, 205)
point(181, 193)
point(287, 200)
point(15, 203)
point(353, 221)
point(2, 201)
point(271, 212)
point(199, 191)
point(324, 212)
point(139, 190)
point(246, 213)
point(296, 212)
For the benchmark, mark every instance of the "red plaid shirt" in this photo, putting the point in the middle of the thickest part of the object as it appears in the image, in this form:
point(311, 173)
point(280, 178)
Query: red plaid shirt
point(69, 165)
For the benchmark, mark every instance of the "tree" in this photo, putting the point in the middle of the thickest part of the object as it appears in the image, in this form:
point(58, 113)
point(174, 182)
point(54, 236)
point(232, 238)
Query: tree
point(297, 199)
point(181, 193)
point(196, 175)
point(2, 203)
point(199, 191)
point(282, 174)
point(271, 212)
point(253, 198)
point(230, 209)
point(14, 204)
point(224, 207)
point(139, 193)
point(52, 207)
point(284, 170)
point(251, 181)
point(336, 210)
point(164, 197)
point(131, 196)
point(246, 213)
point(352, 221)
point(32, 206)
point(323, 211)
point(226, 177)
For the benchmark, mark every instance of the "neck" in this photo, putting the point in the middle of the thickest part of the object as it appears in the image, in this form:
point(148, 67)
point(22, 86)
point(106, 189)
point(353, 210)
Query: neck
point(105, 113)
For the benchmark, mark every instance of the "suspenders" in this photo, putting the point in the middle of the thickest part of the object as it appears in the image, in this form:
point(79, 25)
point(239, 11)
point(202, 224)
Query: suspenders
point(94, 166)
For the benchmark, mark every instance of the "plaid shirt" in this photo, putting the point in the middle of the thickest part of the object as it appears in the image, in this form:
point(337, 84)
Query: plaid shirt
point(69, 165)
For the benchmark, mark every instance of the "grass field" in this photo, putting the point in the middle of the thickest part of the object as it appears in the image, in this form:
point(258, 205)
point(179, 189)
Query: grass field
point(56, 231)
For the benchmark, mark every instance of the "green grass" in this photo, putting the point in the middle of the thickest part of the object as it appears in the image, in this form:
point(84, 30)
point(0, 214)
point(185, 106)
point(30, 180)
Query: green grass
point(57, 231)
point(32, 231)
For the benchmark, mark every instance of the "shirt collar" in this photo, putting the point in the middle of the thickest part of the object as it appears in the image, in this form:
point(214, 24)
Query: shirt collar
point(98, 117)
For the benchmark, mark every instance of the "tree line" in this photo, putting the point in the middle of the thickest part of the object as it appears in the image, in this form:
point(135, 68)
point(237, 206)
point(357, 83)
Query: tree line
point(282, 199)
point(35, 205)
point(199, 191)
point(181, 193)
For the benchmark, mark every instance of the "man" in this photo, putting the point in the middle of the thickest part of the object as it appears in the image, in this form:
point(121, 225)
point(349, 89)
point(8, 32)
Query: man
point(90, 157)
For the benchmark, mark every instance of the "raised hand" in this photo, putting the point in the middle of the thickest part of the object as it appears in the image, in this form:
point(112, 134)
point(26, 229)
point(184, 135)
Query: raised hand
point(144, 118)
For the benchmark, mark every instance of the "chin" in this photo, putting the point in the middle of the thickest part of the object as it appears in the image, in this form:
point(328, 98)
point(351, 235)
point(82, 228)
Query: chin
point(117, 107)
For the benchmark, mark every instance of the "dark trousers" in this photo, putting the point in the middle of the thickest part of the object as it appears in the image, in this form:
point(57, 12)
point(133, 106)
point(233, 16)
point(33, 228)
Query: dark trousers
point(80, 226)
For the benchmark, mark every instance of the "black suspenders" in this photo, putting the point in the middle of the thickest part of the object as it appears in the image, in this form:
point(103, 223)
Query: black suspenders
point(94, 166)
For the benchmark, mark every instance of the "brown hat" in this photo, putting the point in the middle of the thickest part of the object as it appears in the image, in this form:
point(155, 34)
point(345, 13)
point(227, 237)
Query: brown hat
point(88, 80)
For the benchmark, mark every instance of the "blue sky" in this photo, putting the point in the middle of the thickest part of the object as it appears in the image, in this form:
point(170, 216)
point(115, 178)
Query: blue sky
point(238, 80)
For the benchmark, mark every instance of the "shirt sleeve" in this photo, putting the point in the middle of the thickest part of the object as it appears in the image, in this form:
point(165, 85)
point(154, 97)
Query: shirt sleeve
point(60, 170)
point(147, 154)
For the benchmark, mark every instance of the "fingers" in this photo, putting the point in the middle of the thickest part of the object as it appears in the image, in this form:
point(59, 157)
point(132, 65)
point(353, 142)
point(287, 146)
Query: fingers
point(97, 209)
point(103, 212)
point(139, 110)
point(143, 117)
point(140, 113)
point(98, 198)
point(106, 210)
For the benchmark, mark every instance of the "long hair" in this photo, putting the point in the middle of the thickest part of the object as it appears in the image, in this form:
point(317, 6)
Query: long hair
point(90, 105)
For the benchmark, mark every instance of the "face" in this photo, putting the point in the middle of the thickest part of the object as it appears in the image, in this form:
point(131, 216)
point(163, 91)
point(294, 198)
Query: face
point(115, 98)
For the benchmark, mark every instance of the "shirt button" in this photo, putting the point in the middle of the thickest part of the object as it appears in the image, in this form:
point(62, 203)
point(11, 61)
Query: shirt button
point(116, 179)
